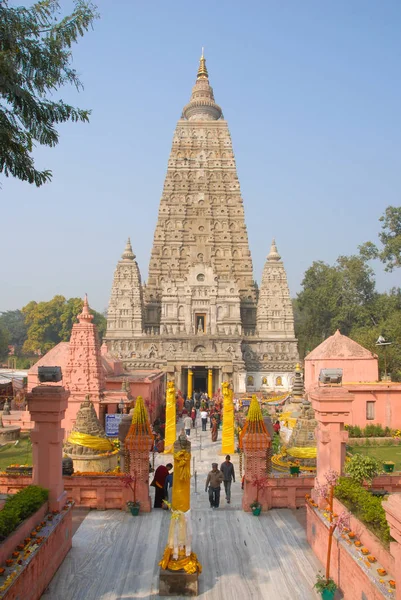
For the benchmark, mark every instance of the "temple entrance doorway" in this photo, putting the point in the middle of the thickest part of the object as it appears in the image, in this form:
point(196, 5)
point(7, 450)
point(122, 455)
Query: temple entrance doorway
point(200, 379)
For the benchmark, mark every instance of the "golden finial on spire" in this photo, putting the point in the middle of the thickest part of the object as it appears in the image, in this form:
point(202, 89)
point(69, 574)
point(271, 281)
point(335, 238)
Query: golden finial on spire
point(202, 71)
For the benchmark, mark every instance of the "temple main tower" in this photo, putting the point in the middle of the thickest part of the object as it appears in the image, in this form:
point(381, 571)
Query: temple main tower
point(198, 316)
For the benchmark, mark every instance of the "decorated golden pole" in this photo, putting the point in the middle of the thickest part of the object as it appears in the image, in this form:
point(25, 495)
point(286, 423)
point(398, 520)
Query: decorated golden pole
point(227, 436)
point(210, 382)
point(190, 383)
point(178, 555)
point(170, 431)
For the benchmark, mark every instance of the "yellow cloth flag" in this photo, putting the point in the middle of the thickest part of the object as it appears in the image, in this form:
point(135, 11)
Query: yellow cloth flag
point(170, 432)
point(90, 441)
point(227, 436)
point(181, 481)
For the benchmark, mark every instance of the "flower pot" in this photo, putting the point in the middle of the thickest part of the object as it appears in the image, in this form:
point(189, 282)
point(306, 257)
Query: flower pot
point(294, 470)
point(256, 510)
point(134, 510)
point(388, 467)
point(328, 594)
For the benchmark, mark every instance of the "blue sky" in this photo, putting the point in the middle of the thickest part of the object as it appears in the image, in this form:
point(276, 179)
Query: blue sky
point(311, 91)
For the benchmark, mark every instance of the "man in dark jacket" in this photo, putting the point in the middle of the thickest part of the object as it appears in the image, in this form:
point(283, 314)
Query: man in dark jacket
point(227, 468)
point(213, 481)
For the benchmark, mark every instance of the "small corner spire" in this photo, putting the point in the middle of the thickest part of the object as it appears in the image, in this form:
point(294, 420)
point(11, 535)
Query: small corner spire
point(273, 254)
point(128, 254)
point(85, 314)
point(202, 71)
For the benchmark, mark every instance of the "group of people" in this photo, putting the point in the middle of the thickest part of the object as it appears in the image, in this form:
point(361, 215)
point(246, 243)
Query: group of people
point(163, 483)
point(216, 477)
point(213, 415)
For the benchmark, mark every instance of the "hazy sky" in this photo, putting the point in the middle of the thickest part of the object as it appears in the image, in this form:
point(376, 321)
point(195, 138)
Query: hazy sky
point(311, 91)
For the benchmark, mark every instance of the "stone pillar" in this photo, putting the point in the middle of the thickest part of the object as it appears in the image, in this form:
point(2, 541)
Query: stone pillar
point(332, 406)
point(47, 405)
point(393, 515)
point(190, 382)
point(255, 446)
point(139, 468)
point(210, 382)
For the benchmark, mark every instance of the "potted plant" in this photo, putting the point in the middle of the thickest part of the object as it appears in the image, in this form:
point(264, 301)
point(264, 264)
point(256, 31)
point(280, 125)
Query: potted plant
point(388, 466)
point(129, 481)
point(260, 484)
point(326, 587)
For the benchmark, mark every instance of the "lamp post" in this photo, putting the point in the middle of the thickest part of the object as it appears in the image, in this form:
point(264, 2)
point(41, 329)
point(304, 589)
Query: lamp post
point(382, 343)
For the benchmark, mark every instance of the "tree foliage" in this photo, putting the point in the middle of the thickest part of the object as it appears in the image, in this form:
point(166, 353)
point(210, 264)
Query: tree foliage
point(35, 61)
point(51, 322)
point(333, 297)
point(390, 238)
point(343, 296)
point(13, 321)
point(4, 342)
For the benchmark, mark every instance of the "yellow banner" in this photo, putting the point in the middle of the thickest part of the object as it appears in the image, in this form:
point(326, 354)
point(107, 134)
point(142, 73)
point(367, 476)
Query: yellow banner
point(90, 441)
point(227, 436)
point(170, 432)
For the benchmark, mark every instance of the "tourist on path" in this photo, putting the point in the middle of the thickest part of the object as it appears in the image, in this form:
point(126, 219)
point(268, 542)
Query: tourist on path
point(159, 483)
point(213, 421)
point(204, 419)
point(193, 416)
point(227, 468)
point(187, 424)
point(213, 482)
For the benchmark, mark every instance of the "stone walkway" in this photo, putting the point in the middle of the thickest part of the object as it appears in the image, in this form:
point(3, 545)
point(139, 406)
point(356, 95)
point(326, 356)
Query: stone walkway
point(115, 556)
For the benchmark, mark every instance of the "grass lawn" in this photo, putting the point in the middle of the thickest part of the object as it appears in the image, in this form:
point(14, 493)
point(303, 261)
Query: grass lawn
point(20, 454)
point(381, 453)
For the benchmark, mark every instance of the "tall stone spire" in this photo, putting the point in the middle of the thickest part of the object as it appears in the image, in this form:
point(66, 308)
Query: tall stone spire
point(274, 318)
point(201, 237)
point(125, 313)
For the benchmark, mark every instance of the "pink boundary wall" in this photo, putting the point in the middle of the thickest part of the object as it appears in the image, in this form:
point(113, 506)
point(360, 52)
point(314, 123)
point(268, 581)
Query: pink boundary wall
point(15, 538)
point(36, 576)
point(368, 539)
point(345, 571)
point(102, 493)
point(393, 514)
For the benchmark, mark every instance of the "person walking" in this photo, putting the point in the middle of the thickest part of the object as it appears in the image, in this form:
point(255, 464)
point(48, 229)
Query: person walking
point(187, 424)
point(213, 483)
point(227, 468)
point(214, 428)
point(204, 419)
point(193, 416)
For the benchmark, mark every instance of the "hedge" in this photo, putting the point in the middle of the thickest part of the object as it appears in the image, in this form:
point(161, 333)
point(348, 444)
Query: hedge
point(364, 506)
point(373, 430)
point(19, 507)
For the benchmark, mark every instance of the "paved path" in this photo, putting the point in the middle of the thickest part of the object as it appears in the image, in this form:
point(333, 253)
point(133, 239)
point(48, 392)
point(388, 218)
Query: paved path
point(115, 556)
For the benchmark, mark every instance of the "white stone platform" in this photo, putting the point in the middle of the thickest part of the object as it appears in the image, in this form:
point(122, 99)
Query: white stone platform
point(115, 556)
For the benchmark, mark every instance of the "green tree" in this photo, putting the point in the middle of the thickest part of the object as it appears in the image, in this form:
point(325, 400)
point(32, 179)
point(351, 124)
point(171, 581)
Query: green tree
point(390, 237)
point(13, 321)
point(35, 61)
point(333, 297)
point(51, 322)
point(4, 342)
